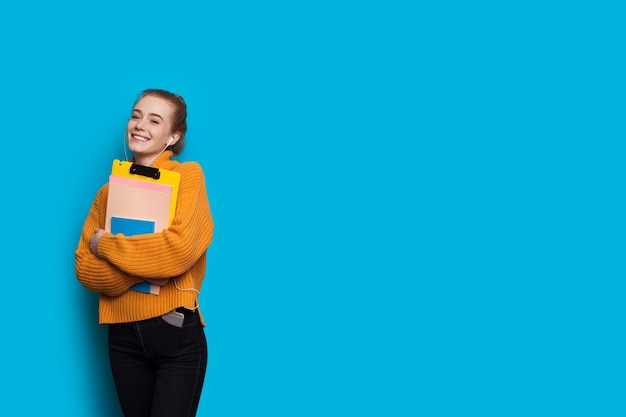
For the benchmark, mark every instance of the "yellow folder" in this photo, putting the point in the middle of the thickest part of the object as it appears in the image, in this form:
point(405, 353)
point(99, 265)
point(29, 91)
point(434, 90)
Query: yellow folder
point(141, 200)
point(142, 193)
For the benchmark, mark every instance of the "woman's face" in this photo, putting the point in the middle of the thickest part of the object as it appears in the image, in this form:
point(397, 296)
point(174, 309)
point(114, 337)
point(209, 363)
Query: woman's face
point(149, 129)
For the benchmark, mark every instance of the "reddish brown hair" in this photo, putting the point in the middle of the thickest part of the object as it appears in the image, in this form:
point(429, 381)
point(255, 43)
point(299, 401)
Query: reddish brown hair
point(179, 115)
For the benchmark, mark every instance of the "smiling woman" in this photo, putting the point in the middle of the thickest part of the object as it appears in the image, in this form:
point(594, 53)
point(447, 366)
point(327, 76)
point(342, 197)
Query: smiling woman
point(157, 345)
point(156, 123)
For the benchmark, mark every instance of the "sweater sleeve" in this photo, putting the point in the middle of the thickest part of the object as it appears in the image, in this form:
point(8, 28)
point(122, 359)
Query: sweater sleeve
point(175, 250)
point(97, 274)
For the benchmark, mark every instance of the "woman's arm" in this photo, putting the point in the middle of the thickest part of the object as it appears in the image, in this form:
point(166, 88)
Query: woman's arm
point(95, 273)
point(172, 252)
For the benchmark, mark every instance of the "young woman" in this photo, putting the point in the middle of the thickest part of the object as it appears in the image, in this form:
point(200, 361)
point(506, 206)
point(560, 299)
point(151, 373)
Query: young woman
point(157, 345)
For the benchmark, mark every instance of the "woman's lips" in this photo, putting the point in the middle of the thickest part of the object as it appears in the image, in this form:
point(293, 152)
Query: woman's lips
point(140, 138)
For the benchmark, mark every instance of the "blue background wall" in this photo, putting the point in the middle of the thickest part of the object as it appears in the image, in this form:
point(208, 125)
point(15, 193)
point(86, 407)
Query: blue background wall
point(417, 207)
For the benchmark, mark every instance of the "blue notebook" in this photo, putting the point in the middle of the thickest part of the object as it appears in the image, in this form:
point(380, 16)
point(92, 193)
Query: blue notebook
point(131, 227)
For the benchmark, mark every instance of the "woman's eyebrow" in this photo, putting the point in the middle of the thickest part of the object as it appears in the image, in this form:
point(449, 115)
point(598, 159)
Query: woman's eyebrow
point(149, 114)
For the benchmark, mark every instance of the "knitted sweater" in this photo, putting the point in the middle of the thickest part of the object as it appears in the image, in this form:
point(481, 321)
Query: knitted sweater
point(177, 253)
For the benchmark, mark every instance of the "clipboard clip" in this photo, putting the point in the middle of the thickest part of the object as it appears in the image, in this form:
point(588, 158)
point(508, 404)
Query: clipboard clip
point(149, 172)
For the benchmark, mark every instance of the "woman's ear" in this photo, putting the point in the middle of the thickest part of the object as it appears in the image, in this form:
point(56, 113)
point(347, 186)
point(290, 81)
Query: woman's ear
point(173, 139)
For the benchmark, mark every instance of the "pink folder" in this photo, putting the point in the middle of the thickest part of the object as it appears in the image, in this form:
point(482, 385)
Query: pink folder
point(139, 200)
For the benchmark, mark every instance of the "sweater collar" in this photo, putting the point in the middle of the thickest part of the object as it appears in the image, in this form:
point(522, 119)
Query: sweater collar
point(163, 160)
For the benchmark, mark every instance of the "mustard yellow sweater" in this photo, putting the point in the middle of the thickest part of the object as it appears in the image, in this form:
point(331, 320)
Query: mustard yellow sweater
point(178, 253)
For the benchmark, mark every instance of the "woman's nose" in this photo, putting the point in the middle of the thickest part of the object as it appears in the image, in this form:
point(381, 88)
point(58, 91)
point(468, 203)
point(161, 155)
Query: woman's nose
point(140, 124)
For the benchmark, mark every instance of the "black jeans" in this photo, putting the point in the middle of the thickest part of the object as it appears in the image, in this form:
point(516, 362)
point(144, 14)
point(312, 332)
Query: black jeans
point(158, 368)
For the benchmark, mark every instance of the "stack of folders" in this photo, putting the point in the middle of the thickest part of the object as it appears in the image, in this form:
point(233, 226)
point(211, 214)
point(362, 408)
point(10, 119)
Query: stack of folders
point(141, 200)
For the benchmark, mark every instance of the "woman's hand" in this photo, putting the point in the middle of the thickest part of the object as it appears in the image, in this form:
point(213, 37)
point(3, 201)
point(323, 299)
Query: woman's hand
point(93, 241)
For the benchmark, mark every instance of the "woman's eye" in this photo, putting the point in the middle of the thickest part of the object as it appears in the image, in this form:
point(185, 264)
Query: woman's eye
point(154, 121)
point(134, 116)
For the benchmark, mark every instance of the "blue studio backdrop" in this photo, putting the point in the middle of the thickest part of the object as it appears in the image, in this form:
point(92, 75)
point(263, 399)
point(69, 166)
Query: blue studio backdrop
point(417, 206)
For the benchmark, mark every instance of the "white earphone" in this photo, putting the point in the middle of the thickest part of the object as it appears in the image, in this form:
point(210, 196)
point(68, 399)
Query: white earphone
point(169, 142)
